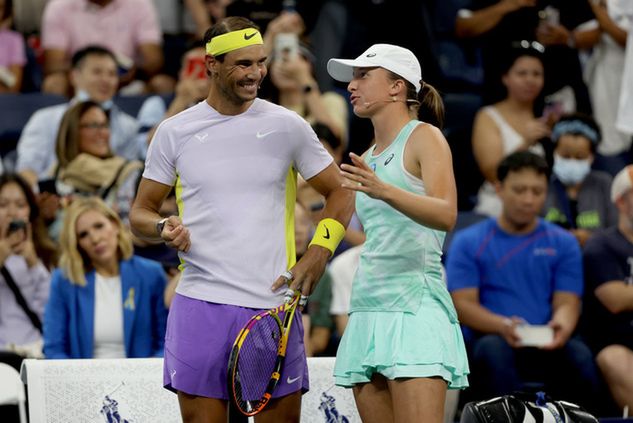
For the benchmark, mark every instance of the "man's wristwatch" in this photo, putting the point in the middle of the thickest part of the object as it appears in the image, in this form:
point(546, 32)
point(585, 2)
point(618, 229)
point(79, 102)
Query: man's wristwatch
point(160, 225)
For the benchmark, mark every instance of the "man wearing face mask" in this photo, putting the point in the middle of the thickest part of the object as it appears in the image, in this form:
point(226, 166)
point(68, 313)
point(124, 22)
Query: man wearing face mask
point(94, 77)
point(578, 197)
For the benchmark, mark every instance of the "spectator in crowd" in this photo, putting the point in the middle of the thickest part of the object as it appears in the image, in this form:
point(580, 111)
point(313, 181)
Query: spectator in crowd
point(128, 28)
point(104, 302)
point(293, 86)
point(603, 72)
point(510, 124)
point(26, 256)
point(12, 51)
point(562, 26)
point(86, 165)
point(608, 310)
point(578, 197)
point(519, 270)
point(94, 77)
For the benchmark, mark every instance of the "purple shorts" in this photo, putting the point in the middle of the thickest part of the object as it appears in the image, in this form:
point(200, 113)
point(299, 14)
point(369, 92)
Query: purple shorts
point(198, 343)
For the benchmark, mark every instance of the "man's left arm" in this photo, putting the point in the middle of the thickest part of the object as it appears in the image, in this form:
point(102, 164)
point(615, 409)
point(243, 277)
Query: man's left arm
point(339, 206)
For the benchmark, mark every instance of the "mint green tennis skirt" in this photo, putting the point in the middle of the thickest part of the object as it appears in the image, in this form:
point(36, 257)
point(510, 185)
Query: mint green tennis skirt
point(428, 343)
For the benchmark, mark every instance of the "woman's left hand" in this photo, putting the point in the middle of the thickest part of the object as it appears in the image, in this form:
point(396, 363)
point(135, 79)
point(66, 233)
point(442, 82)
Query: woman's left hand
point(26, 248)
point(360, 177)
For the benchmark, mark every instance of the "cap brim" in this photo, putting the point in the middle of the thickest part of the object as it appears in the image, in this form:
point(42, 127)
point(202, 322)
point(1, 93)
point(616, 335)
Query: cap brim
point(343, 69)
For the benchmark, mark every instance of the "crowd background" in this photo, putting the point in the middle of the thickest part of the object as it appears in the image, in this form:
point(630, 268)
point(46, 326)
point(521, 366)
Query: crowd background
point(84, 84)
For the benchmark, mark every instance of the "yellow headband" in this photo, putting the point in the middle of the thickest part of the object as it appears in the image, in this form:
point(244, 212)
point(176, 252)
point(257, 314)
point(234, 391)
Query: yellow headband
point(233, 40)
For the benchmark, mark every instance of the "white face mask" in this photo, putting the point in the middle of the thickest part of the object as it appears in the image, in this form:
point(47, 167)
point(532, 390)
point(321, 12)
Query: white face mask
point(571, 171)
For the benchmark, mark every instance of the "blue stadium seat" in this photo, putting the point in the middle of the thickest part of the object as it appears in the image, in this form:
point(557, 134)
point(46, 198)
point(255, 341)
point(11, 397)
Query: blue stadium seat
point(16, 111)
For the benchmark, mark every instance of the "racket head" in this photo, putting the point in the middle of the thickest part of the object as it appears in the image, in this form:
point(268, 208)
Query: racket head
point(257, 357)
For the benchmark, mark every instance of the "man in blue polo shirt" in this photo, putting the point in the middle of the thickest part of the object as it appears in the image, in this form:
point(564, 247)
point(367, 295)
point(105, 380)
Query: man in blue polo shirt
point(517, 270)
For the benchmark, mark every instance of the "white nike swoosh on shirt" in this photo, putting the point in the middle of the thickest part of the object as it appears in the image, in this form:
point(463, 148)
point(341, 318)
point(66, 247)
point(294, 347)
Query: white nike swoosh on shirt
point(264, 134)
point(293, 380)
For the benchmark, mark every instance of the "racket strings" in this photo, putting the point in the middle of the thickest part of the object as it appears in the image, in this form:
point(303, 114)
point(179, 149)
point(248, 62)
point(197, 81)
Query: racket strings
point(256, 362)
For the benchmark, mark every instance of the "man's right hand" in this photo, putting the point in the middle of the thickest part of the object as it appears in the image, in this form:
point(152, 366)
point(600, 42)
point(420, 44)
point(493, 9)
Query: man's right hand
point(508, 330)
point(176, 235)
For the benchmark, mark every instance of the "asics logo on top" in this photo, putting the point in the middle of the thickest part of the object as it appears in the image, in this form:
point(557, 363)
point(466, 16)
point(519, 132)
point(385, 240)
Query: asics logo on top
point(388, 159)
point(371, 55)
point(264, 134)
point(293, 380)
point(249, 36)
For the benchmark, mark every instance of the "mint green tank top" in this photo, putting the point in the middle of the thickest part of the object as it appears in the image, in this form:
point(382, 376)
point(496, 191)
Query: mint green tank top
point(400, 258)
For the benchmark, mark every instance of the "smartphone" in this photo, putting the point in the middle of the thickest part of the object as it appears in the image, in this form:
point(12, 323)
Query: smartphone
point(287, 45)
point(47, 185)
point(194, 67)
point(16, 225)
point(535, 335)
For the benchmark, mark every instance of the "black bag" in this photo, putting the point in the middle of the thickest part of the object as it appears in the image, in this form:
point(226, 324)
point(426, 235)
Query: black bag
point(525, 408)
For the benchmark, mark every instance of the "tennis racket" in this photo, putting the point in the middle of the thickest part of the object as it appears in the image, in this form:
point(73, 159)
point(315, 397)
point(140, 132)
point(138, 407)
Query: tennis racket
point(258, 355)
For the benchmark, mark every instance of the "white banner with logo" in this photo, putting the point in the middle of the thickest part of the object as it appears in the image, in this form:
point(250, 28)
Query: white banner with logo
point(131, 391)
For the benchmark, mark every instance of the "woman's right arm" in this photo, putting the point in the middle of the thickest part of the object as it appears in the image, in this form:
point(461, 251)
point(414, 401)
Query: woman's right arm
point(56, 320)
point(487, 145)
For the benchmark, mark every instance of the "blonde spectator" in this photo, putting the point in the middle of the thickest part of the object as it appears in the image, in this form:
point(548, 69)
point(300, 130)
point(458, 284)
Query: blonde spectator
point(105, 302)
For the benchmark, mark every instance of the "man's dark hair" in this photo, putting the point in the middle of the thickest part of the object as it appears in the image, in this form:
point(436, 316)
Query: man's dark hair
point(517, 49)
point(92, 50)
point(522, 160)
point(231, 23)
point(324, 133)
point(8, 10)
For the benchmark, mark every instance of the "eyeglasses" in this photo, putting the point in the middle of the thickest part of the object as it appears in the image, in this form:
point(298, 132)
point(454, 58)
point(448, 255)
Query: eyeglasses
point(95, 125)
point(529, 45)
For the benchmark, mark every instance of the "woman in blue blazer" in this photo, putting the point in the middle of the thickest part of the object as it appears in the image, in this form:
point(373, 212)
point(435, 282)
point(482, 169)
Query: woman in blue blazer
point(104, 301)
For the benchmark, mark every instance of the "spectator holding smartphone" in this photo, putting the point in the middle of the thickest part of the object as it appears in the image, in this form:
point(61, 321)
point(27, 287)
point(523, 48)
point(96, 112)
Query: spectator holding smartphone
point(26, 255)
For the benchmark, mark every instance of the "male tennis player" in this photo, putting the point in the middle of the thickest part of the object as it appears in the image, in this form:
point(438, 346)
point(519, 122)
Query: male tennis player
point(233, 159)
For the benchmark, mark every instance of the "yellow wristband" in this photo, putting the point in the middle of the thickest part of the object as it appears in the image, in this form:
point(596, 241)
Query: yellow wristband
point(329, 233)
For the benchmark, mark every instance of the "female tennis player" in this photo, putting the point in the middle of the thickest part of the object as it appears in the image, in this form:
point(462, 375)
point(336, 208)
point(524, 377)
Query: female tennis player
point(403, 346)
